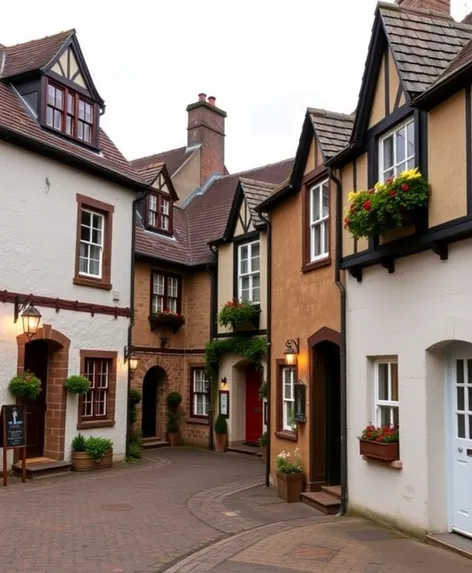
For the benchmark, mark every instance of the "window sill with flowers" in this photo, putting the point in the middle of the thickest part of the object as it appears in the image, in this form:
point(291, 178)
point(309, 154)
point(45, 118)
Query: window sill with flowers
point(239, 316)
point(381, 444)
point(167, 318)
point(393, 204)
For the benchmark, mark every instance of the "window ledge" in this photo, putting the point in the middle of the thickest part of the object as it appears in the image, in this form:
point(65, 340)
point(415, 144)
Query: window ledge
point(82, 281)
point(286, 435)
point(89, 424)
point(202, 421)
point(325, 262)
point(396, 465)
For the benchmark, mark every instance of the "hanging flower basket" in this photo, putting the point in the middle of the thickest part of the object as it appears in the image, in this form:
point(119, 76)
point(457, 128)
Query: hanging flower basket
point(380, 443)
point(25, 384)
point(166, 319)
point(239, 315)
point(77, 385)
point(388, 205)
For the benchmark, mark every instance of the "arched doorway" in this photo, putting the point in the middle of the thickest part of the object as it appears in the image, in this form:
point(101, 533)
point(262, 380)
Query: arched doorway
point(325, 369)
point(152, 409)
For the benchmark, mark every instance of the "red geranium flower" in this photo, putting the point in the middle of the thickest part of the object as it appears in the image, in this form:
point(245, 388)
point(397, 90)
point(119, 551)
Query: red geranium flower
point(405, 187)
point(392, 193)
point(367, 205)
point(389, 180)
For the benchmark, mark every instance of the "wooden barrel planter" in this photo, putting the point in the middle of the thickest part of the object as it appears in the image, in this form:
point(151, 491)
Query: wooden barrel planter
point(82, 462)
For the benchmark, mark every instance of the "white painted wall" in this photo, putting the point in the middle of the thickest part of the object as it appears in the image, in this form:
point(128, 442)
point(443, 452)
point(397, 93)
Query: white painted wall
point(38, 243)
point(415, 314)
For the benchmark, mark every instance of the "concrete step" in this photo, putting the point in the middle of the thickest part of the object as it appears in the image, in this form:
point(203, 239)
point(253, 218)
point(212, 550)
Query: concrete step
point(149, 443)
point(322, 501)
point(245, 449)
point(453, 542)
point(45, 468)
point(334, 490)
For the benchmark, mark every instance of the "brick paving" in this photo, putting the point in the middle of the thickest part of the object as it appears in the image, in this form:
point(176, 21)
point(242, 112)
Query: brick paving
point(191, 511)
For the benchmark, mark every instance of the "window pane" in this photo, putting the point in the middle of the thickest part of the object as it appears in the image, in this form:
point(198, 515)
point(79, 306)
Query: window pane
point(70, 104)
point(244, 252)
point(245, 283)
point(80, 130)
point(401, 144)
point(81, 109)
point(326, 237)
point(396, 421)
point(87, 133)
point(469, 408)
point(172, 304)
point(394, 376)
point(244, 267)
point(388, 153)
point(256, 294)
point(469, 371)
point(461, 398)
point(49, 113)
point(315, 204)
point(51, 93)
point(325, 199)
point(460, 425)
point(57, 119)
point(411, 139)
point(316, 240)
point(385, 419)
point(255, 250)
point(460, 371)
point(96, 237)
point(383, 381)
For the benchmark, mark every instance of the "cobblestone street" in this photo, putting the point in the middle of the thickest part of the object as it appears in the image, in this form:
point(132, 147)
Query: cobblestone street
point(184, 510)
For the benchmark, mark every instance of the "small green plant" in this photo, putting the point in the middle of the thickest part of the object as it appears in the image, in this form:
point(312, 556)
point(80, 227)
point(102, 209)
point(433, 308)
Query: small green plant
point(97, 447)
point(264, 439)
point(174, 399)
point(77, 384)
point(221, 425)
point(172, 422)
point(134, 451)
point(235, 313)
point(78, 443)
point(285, 465)
point(264, 391)
point(134, 397)
point(25, 384)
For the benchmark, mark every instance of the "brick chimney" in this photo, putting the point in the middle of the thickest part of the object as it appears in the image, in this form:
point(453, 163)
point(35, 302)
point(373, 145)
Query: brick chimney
point(436, 5)
point(206, 126)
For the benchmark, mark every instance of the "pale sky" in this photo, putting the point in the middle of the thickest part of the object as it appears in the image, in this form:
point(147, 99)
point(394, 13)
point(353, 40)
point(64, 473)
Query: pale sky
point(265, 61)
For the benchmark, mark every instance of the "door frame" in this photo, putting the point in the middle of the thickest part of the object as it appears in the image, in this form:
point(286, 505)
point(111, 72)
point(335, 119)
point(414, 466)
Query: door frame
point(156, 400)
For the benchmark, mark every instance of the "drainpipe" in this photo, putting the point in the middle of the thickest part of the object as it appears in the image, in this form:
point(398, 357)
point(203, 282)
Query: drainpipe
point(269, 337)
point(213, 304)
point(140, 198)
point(342, 350)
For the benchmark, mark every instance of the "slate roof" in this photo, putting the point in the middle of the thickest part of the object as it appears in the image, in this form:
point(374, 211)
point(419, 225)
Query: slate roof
point(204, 219)
point(332, 129)
point(423, 42)
point(174, 159)
point(256, 192)
point(33, 55)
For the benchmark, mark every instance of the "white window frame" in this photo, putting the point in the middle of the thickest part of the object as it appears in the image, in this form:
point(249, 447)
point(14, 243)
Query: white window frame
point(396, 165)
point(392, 404)
point(195, 394)
point(322, 222)
point(250, 273)
point(90, 243)
point(291, 400)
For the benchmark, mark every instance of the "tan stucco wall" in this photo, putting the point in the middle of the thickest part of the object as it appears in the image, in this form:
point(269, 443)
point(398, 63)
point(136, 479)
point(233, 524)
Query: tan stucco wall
point(74, 67)
point(310, 162)
point(393, 80)
point(302, 303)
point(377, 112)
point(187, 178)
point(447, 160)
point(318, 155)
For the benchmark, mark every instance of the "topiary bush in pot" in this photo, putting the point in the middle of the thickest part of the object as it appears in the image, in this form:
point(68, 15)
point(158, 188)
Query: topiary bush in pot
point(221, 433)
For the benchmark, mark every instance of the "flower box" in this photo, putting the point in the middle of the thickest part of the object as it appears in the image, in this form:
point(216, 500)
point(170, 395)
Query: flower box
point(240, 316)
point(252, 324)
point(166, 320)
point(384, 451)
point(290, 486)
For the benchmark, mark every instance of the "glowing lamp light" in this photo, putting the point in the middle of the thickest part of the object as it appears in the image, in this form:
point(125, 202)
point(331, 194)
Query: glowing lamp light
point(291, 354)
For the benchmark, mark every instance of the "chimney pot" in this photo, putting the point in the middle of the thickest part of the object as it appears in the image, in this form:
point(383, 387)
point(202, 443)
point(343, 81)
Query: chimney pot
point(212, 100)
point(202, 97)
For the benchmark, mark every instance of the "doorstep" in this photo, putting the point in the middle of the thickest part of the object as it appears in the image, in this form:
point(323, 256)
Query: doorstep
point(452, 541)
point(42, 467)
point(154, 442)
point(245, 449)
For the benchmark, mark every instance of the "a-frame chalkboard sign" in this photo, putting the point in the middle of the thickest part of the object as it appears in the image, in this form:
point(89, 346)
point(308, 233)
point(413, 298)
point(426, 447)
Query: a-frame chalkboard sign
point(13, 435)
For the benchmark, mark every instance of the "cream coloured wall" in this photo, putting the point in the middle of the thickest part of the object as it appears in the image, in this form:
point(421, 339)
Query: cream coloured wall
point(377, 111)
point(187, 178)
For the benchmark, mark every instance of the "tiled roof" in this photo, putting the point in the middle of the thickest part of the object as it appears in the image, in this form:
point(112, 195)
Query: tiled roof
point(150, 173)
point(464, 58)
point(17, 120)
point(332, 129)
point(256, 192)
point(174, 158)
point(424, 43)
point(34, 55)
point(205, 218)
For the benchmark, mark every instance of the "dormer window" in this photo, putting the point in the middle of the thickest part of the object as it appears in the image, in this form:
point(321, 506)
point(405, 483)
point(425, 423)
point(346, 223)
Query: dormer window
point(158, 213)
point(70, 113)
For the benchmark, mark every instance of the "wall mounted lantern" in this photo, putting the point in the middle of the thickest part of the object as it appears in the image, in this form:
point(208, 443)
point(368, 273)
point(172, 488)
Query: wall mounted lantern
point(133, 362)
point(30, 316)
point(292, 345)
point(224, 381)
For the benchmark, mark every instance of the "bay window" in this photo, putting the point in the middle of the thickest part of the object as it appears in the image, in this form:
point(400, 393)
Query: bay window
point(158, 213)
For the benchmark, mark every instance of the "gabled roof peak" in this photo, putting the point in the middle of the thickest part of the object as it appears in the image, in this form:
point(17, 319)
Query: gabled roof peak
point(65, 34)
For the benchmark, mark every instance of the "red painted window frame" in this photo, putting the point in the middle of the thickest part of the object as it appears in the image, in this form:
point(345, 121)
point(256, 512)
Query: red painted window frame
point(193, 414)
point(166, 275)
point(158, 226)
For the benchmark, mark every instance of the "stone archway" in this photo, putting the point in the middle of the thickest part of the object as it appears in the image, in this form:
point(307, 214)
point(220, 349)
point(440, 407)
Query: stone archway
point(55, 397)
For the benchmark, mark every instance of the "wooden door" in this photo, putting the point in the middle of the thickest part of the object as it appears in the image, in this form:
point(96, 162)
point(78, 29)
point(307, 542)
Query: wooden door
point(149, 425)
point(36, 361)
point(253, 406)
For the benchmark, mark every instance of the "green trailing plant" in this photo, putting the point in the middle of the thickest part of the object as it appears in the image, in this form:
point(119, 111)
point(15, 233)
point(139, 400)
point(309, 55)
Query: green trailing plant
point(78, 443)
point(97, 447)
point(174, 399)
point(235, 313)
point(77, 384)
point(221, 425)
point(135, 443)
point(25, 384)
point(253, 348)
point(134, 400)
point(264, 439)
point(264, 391)
point(387, 205)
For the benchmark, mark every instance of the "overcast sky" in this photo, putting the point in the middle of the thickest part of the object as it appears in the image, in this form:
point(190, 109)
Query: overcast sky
point(265, 61)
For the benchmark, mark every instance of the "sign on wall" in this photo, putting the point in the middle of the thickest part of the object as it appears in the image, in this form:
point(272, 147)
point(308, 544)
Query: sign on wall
point(13, 435)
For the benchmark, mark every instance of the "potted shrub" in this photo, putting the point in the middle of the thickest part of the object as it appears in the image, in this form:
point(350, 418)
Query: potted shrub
point(221, 433)
point(388, 205)
point(134, 400)
point(26, 385)
point(239, 315)
point(290, 476)
point(77, 385)
point(263, 440)
point(380, 443)
point(174, 399)
point(92, 453)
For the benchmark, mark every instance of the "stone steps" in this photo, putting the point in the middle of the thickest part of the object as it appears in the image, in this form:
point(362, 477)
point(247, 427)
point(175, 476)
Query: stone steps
point(44, 468)
point(154, 442)
point(328, 500)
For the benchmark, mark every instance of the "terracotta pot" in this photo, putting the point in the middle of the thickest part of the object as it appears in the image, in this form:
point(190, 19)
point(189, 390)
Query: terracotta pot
point(379, 451)
point(290, 486)
point(264, 453)
point(220, 442)
point(174, 439)
point(82, 462)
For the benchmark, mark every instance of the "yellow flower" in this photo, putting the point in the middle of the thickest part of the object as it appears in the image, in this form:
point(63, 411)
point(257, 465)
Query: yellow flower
point(379, 186)
point(352, 195)
point(411, 173)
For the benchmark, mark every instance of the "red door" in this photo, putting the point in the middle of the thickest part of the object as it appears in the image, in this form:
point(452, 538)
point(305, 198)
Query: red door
point(253, 406)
